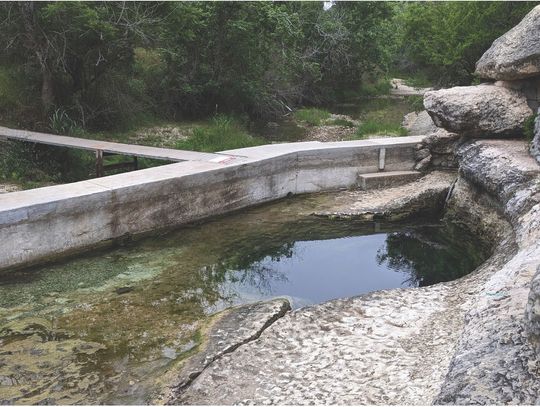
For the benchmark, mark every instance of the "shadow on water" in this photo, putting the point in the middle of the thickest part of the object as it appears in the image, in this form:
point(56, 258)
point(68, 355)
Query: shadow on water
point(102, 327)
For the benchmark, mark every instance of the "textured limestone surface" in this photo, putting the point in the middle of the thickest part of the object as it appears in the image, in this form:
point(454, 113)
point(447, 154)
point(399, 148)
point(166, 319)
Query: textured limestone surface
point(437, 151)
point(516, 54)
point(535, 145)
point(495, 361)
point(419, 123)
point(424, 195)
point(466, 341)
point(235, 327)
point(476, 111)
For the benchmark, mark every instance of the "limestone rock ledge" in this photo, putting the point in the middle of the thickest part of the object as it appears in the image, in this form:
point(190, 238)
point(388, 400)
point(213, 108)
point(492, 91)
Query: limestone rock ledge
point(470, 341)
point(516, 54)
point(478, 111)
point(535, 145)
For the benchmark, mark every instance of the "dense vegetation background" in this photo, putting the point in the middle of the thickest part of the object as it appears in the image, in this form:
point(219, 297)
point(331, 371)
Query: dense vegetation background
point(103, 65)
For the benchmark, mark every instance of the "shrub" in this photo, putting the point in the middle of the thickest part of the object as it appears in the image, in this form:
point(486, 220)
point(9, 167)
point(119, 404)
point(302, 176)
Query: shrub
point(223, 133)
point(35, 164)
point(416, 102)
point(312, 116)
point(378, 88)
point(61, 123)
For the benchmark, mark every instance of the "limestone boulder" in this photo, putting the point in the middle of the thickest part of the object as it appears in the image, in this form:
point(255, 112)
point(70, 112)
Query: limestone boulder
point(476, 111)
point(516, 54)
point(418, 124)
point(535, 145)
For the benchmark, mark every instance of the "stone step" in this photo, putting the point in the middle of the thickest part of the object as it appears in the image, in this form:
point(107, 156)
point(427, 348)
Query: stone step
point(386, 179)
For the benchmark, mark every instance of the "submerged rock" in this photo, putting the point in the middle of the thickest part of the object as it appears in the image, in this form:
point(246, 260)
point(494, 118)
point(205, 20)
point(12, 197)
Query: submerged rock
point(477, 111)
point(516, 54)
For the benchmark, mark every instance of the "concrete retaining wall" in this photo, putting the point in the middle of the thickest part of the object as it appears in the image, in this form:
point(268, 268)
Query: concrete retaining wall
point(44, 223)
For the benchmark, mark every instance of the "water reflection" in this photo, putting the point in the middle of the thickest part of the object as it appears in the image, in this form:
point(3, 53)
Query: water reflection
point(102, 327)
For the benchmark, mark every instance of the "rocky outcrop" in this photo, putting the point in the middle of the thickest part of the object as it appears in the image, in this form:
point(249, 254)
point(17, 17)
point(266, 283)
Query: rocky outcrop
point(418, 124)
point(535, 144)
point(478, 111)
point(530, 88)
point(436, 151)
point(516, 54)
point(496, 359)
point(463, 342)
point(533, 312)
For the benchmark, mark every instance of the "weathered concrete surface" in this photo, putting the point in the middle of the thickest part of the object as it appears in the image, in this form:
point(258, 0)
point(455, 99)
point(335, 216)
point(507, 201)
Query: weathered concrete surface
point(39, 224)
point(478, 111)
point(386, 179)
point(159, 153)
point(462, 342)
point(516, 54)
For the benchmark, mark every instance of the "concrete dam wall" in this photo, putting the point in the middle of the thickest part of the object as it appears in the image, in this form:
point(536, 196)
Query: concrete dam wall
point(42, 224)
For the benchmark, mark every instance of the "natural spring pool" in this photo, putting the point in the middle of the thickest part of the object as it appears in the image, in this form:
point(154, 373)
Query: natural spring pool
point(102, 327)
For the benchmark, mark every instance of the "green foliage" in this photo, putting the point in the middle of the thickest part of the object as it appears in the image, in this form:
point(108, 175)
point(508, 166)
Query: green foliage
point(528, 127)
point(416, 102)
point(223, 133)
point(311, 115)
point(373, 127)
point(378, 88)
point(109, 65)
point(418, 80)
point(37, 164)
point(445, 39)
point(61, 123)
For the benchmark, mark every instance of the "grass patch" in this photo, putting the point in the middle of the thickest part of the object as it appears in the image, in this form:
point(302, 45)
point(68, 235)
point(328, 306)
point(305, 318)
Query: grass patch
point(373, 127)
point(383, 117)
point(223, 133)
point(312, 116)
point(378, 88)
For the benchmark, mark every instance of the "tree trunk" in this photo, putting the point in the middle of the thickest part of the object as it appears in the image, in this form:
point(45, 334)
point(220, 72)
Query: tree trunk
point(39, 45)
point(47, 91)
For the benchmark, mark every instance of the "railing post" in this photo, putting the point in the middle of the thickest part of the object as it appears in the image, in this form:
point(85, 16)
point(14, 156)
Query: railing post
point(382, 158)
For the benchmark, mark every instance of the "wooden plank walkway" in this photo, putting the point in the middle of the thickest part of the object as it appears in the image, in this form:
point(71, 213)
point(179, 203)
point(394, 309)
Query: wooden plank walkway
point(107, 147)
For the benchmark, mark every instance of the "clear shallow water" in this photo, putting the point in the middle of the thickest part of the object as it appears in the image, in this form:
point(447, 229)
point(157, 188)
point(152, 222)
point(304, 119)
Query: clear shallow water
point(100, 328)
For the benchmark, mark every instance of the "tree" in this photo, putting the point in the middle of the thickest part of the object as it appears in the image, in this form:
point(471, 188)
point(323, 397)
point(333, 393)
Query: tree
point(445, 39)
